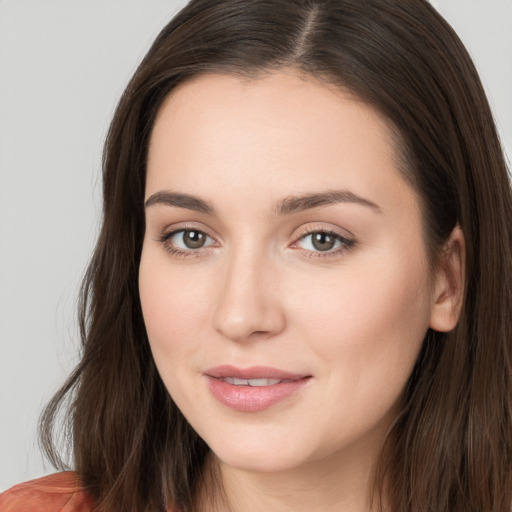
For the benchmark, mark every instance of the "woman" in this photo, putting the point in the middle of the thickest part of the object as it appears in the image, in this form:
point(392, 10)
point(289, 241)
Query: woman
point(300, 296)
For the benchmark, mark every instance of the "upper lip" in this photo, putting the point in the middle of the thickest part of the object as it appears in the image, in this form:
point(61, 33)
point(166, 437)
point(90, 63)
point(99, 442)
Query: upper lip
point(254, 372)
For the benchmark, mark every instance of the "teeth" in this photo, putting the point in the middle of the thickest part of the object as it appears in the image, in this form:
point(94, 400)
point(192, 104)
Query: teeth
point(263, 382)
point(251, 382)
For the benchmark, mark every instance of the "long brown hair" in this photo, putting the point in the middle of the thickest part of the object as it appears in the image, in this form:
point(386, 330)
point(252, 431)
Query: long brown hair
point(450, 449)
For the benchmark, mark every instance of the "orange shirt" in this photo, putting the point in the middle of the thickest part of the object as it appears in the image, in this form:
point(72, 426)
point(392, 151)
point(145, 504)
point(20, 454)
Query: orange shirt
point(60, 492)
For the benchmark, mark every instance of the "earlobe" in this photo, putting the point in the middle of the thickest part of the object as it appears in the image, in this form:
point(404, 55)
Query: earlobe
point(449, 283)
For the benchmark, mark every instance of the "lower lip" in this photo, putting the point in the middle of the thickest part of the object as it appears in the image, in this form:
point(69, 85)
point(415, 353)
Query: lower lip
point(253, 398)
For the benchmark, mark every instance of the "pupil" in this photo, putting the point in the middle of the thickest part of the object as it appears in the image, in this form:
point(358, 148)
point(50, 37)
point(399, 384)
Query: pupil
point(193, 239)
point(323, 241)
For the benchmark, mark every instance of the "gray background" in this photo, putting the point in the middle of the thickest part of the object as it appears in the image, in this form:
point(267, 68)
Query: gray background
point(63, 65)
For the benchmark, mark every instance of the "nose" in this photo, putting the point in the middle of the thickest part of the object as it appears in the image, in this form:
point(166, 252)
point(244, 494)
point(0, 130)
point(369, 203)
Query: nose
point(249, 306)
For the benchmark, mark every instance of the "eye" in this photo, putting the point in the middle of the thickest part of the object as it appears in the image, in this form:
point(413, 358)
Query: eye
point(185, 240)
point(324, 241)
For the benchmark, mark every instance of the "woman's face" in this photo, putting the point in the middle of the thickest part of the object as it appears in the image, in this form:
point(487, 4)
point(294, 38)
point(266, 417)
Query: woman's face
point(284, 280)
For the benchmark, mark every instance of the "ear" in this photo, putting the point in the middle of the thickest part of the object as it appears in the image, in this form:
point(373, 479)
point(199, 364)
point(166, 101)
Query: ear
point(449, 283)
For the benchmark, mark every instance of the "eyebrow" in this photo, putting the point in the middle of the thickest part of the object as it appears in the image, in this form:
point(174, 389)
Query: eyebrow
point(181, 201)
point(286, 206)
point(294, 204)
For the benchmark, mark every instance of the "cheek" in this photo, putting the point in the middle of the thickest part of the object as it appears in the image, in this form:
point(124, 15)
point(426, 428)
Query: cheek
point(171, 304)
point(371, 318)
point(365, 331)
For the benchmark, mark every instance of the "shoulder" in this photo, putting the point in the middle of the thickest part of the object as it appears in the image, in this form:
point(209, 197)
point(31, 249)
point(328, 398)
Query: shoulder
point(60, 492)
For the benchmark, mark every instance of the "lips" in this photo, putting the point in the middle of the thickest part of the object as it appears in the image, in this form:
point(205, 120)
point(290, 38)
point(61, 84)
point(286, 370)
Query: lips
point(252, 389)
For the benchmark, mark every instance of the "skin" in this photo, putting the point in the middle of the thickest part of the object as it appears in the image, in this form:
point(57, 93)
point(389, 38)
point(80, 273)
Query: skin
point(259, 293)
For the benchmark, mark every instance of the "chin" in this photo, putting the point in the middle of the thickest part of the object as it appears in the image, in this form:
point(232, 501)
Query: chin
point(261, 453)
point(259, 461)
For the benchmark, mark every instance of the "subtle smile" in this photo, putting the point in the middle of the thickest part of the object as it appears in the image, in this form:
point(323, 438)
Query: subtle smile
point(252, 389)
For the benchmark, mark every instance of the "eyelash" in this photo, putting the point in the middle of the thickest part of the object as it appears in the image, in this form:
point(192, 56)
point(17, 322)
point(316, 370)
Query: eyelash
point(183, 253)
point(346, 244)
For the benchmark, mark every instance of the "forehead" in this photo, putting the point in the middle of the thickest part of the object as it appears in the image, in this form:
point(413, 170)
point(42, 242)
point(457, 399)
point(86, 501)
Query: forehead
point(283, 133)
